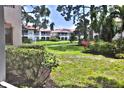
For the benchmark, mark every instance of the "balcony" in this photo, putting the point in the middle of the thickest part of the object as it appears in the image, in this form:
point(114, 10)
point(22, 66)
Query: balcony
point(45, 34)
point(24, 33)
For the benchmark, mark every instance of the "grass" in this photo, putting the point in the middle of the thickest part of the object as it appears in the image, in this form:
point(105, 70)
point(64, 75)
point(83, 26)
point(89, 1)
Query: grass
point(77, 69)
point(53, 42)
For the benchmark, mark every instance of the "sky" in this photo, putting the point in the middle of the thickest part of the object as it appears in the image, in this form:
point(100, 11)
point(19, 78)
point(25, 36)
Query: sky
point(58, 19)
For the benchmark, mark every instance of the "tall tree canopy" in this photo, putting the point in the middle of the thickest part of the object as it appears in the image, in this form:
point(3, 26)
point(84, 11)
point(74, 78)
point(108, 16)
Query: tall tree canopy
point(37, 15)
point(101, 18)
point(79, 16)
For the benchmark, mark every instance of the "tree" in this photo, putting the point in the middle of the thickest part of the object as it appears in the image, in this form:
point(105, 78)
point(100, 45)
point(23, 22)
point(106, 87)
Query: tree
point(121, 15)
point(82, 29)
point(52, 26)
point(98, 17)
point(72, 37)
point(109, 24)
point(78, 15)
point(37, 15)
point(102, 19)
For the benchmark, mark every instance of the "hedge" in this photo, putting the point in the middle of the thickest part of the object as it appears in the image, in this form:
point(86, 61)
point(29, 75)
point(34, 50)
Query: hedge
point(102, 48)
point(29, 66)
point(107, 48)
point(120, 55)
point(26, 40)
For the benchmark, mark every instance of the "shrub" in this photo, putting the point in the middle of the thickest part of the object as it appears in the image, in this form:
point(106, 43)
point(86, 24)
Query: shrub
point(54, 39)
point(29, 66)
point(120, 55)
point(104, 48)
point(32, 47)
point(85, 43)
point(26, 40)
point(72, 37)
point(119, 45)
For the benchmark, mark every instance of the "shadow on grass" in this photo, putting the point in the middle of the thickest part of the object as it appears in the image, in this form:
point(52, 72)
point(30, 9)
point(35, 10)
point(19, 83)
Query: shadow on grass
point(98, 53)
point(70, 86)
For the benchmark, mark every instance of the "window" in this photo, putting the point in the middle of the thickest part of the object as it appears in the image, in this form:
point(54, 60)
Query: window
point(62, 38)
point(42, 33)
point(30, 32)
point(47, 38)
point(8, 36)
point(11, 6)
point(65, 38)
point(36, 32)
point(43, 38)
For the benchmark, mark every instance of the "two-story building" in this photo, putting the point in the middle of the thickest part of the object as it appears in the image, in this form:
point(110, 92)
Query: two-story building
point(43, 34)
point(63, 34)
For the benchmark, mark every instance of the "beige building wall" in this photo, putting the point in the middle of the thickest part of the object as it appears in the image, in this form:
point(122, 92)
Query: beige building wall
point(2, 46)
point(12, 15)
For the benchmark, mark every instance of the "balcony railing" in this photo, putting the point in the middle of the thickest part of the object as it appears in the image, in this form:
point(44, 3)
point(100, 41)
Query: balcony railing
point(24, 33)
point(45, 35)
point(11, 6)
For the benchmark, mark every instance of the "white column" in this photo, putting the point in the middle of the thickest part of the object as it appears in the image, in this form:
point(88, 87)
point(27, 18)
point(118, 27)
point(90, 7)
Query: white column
point(2, 45)
point(39, 35)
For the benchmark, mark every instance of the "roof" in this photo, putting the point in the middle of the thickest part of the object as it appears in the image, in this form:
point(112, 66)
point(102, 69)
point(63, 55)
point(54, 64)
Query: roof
point(64, 30)
point(30, 27)
point(46, 30)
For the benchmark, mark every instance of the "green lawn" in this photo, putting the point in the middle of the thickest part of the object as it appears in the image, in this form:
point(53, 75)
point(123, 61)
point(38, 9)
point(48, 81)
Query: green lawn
point(77, 69)
point(53, 42)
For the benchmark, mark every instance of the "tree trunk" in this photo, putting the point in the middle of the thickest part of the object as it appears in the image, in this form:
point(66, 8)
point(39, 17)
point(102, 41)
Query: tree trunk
point(79, 39)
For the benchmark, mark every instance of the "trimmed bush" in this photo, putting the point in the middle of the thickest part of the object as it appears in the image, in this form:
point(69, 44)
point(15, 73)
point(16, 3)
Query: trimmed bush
point(26, 40)
point(32, 47)
point(54, 39)
point(120, 55)
point(29, 66)
point(119, 46)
